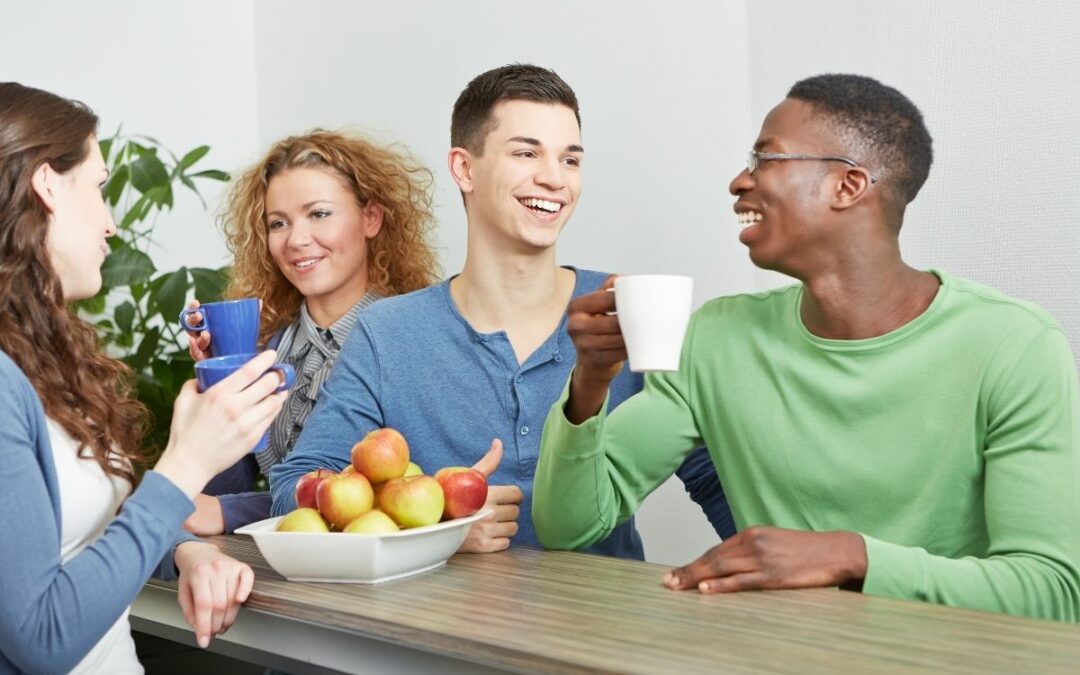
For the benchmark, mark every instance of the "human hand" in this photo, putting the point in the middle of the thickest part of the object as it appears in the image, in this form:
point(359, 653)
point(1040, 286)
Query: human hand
point(600, 350)
point(211, 431)
point(198, 343)
point(211, 588)
point(493, 533)
point(208, 518)
point(761, 558)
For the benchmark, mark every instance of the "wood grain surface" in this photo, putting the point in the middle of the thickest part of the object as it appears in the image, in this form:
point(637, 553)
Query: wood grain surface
point(548, 611)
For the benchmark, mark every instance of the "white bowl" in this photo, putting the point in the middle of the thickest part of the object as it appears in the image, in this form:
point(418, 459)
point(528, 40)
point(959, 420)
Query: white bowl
point(358, 558)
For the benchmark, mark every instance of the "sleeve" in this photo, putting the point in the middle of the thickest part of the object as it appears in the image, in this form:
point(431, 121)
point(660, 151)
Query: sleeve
point(244, 508)
point(52, 612)
point(346, 410)
point(702, 483)
point(239, 477)
point(593, 476)
point(1031, 496)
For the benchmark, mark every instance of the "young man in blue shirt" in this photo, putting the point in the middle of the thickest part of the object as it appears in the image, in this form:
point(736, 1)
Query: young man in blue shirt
point(483, 355)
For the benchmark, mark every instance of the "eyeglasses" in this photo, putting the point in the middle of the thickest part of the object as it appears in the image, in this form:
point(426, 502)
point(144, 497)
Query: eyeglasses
point(755, 158)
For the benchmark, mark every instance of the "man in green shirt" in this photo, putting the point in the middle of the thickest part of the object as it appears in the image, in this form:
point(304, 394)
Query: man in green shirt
point(904, 432)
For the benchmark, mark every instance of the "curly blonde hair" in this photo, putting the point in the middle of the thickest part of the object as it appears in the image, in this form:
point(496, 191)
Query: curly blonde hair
point(400, 257)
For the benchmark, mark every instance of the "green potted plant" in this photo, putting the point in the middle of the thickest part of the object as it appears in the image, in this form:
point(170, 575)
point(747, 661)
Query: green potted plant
point(136, 310)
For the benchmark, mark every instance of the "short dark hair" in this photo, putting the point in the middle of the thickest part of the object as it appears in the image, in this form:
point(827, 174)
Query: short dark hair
point(472, 121)
point(882, 127)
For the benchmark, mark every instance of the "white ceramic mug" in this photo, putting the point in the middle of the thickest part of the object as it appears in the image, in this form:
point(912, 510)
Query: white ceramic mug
point(653, 311)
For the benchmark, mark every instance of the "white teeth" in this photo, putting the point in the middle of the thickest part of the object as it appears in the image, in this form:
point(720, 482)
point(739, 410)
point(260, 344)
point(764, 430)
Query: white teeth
point(306, 263)
point(749, 217)
point(543, 204)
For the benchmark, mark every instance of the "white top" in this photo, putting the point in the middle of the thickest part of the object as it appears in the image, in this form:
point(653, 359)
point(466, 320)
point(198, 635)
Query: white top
point(89, 500)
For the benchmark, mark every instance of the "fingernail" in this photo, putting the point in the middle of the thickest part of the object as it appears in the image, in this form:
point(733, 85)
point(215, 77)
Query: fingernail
point(703, 586)
point(204, 641)
point(670, 579)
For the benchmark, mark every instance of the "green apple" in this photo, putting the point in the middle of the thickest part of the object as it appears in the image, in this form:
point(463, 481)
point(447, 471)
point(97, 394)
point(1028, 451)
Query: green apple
point(415, 501)
point(372, 522)
point(304, 519)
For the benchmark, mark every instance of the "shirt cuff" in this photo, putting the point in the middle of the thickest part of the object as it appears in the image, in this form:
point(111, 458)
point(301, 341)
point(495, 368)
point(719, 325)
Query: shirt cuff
point(893, 570)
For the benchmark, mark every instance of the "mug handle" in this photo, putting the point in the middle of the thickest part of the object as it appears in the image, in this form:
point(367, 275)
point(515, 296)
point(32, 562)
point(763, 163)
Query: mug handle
point(184, 314)
point(287, 373)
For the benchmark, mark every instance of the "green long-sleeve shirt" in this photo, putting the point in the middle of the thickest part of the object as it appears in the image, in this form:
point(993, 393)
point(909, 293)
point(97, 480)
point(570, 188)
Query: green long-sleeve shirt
point(952, 444)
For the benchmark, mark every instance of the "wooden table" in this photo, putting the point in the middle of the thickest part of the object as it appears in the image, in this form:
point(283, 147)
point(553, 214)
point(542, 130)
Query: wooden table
point(543, 611)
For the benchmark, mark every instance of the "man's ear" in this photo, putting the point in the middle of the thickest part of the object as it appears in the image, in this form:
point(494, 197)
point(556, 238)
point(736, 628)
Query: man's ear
point(460, 162)
point(44, 182)
point(852, 188)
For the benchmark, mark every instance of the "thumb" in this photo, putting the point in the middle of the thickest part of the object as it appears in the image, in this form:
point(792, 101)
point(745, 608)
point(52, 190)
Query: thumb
point(490, 462)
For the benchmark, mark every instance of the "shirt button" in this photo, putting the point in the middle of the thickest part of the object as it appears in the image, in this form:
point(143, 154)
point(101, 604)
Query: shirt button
point(524, 431)
point(518, 379)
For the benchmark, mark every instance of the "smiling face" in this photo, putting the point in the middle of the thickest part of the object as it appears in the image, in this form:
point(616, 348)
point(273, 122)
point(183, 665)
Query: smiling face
point(318, 236)
point(785, 205)
point(79, 223)
point(524, 187)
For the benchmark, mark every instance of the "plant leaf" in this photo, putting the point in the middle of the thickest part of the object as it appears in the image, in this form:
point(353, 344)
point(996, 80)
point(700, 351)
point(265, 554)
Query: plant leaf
point(211, 173)
point(148, 172)
point(146, 350)
point(171, 294)
point(124, 315)
point(126, 266)
point(210, 284)
point(114, 189)
point(193, 156)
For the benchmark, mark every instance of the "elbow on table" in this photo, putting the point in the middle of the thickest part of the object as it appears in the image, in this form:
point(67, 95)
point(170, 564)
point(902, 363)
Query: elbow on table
point(555, 532)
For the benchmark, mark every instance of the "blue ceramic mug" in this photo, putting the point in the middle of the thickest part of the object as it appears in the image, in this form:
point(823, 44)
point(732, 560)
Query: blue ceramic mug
point(233, 325)
point(211, 371)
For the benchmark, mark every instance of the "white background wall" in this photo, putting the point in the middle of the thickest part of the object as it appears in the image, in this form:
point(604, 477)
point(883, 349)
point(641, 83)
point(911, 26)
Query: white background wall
point(672, 95)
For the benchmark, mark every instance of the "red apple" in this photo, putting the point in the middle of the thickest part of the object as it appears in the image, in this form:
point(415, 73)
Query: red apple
point(464, 489)
point(343, 498)
point(372, 522)
point(382, 454)
point(415, 501)
point(305, 487)
point(302, 520)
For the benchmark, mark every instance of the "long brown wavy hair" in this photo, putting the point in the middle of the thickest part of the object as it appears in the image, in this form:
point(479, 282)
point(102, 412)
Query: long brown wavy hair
point(81, 388)
point(400, 256)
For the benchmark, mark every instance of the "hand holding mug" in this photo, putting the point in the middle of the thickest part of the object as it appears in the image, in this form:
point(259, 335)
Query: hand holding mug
point(231, 326)
point(211, 431)
point(198, 341)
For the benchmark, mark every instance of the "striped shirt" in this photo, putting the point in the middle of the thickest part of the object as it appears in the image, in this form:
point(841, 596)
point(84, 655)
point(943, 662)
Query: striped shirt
point(311, 351)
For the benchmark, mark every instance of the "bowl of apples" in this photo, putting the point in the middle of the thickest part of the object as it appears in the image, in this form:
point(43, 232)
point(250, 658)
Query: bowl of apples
point(377, 520)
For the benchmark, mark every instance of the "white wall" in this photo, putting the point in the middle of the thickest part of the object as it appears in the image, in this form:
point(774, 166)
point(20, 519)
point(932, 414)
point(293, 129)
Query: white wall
point(183, 73)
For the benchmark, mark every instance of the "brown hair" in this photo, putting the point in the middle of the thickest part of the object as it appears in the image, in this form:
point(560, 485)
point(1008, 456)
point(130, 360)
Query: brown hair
point(91, 401)
point(400, 257)
point(471, 121)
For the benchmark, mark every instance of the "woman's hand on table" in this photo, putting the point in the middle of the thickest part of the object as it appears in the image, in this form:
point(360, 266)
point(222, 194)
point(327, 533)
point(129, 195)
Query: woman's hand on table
point(760, 558)
point(211, 588)
point(208, 518)
point(494, 532)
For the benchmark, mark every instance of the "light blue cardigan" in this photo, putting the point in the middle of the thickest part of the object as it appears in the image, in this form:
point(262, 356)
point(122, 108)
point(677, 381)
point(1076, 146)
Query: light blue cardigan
point(51, 615)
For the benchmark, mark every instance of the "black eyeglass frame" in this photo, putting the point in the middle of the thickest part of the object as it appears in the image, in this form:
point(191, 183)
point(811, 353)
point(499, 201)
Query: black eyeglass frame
point(754, 159)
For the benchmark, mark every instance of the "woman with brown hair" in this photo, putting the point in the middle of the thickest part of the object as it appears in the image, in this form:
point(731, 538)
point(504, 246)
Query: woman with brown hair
point(324, 225)
point(82, 533)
